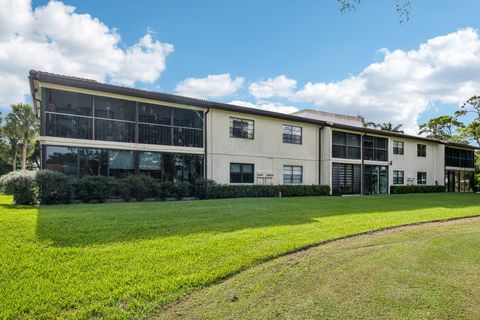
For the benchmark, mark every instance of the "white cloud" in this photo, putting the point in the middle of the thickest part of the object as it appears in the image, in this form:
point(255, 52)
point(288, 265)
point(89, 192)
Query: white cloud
point(56, 39)
point(404, 84)
point(213, 86)
point(280, 86)
point(266, 105)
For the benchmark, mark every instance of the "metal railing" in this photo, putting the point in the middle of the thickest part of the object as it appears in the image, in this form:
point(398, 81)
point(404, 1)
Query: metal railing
point(84, 127)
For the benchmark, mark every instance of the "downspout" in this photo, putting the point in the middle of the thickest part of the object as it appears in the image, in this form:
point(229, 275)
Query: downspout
point(320, 155)
point(363, 162)
point(205, 146)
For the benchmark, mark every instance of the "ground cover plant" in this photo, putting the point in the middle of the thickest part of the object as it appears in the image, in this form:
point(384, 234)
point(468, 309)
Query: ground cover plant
point(128, 260)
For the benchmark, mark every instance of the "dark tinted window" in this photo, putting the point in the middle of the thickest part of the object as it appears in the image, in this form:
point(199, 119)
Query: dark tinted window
point(421, 150)
point(421, 178)
point(398, 147)
point(459, 158)
point(398, 177)
point(241, 173)
point(292, 134)
point(375, 148)
point(345, 145)
point(62, 159)
point(241, 128)
point(292, 174)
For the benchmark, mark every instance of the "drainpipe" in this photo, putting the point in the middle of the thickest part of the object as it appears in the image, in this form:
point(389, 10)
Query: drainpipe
point(363, 161)
point(205, 145)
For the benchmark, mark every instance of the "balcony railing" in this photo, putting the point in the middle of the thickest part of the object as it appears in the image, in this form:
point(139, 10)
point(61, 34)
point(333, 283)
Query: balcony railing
point(68, 126)
point(114, 130)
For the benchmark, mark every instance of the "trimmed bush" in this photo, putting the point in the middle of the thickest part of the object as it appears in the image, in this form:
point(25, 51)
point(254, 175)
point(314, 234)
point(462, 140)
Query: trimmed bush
point(165, 189)
point(237, 191)
point(417, 189)
point(95, 188)
point(137, 187)
point(181, 189)
point(22, 185)
point(54, 187)
point(202, 188)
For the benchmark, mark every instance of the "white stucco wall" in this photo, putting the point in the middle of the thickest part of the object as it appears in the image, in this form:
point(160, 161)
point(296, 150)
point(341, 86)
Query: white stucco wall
point(433, 164)
point(266, 151)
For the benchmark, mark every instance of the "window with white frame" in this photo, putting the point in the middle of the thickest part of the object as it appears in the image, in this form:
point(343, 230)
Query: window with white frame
point(242, 128)
point(398, 147)
point(398, 177)
point(292, 174)
point(292, 134)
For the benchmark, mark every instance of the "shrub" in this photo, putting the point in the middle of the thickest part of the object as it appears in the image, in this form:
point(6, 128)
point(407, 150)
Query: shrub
point(95, 188)
point(22, 185)
point(54, 187)
point(181, 189)
point(417, 189)
point(202, 188)
point(237, 191)
point(165, 189)
point(138, 187)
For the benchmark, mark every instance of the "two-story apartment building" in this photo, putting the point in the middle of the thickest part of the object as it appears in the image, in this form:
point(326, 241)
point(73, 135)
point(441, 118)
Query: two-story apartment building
point(92, 128)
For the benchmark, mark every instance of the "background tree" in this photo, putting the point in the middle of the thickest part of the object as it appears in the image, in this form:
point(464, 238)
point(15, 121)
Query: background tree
point(446, 128)
point(27, 126)
point(386, 126)
point(471, 107)
point(12, 136)
point(402, 7)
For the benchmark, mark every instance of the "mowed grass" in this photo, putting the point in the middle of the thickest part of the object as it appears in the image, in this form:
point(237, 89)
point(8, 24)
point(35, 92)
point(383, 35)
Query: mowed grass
point(128, 260)
point(430, 271)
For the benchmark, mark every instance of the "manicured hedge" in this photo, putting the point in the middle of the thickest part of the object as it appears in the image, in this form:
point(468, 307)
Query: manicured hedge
point(417, 189)
point(54, 187)
point(97, 188)
point(243, 191)
point(138, 187)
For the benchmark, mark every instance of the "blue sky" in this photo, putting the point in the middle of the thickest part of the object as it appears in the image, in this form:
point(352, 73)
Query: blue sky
point(308, 42)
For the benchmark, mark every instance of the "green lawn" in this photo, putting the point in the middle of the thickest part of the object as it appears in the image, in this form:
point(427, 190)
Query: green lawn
point(422, 272)
point(127, 260)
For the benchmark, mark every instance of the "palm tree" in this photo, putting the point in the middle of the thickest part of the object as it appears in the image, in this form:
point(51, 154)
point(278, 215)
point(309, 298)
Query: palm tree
point(388, 126)
point(24, 124)
point(11, 134)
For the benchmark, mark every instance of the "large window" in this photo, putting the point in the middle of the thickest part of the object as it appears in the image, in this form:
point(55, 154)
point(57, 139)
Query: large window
point(120, 163)
point(292, 174)
point(421, 178)
point(242, 128)
point(346, 178)
point(459, 158)
point(375, 148)
point(80, 116)
point(62, 159)
point(421, 150)
point(398, 147)
point(398, 177)
point(241, 173)
point(292, 134)
point(163, 166)
point(345, 145)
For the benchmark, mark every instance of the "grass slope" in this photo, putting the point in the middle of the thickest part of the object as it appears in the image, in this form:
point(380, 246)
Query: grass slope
point(126, 260)
point(430, 271)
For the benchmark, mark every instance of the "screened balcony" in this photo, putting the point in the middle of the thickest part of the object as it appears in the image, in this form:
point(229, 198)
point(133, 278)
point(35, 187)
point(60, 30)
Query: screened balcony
point(80, 116)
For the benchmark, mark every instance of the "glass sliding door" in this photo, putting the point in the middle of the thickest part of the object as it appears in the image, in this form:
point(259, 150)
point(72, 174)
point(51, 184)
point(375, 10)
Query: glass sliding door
point(459, 180)
point(375, 179)
point(346, 178)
